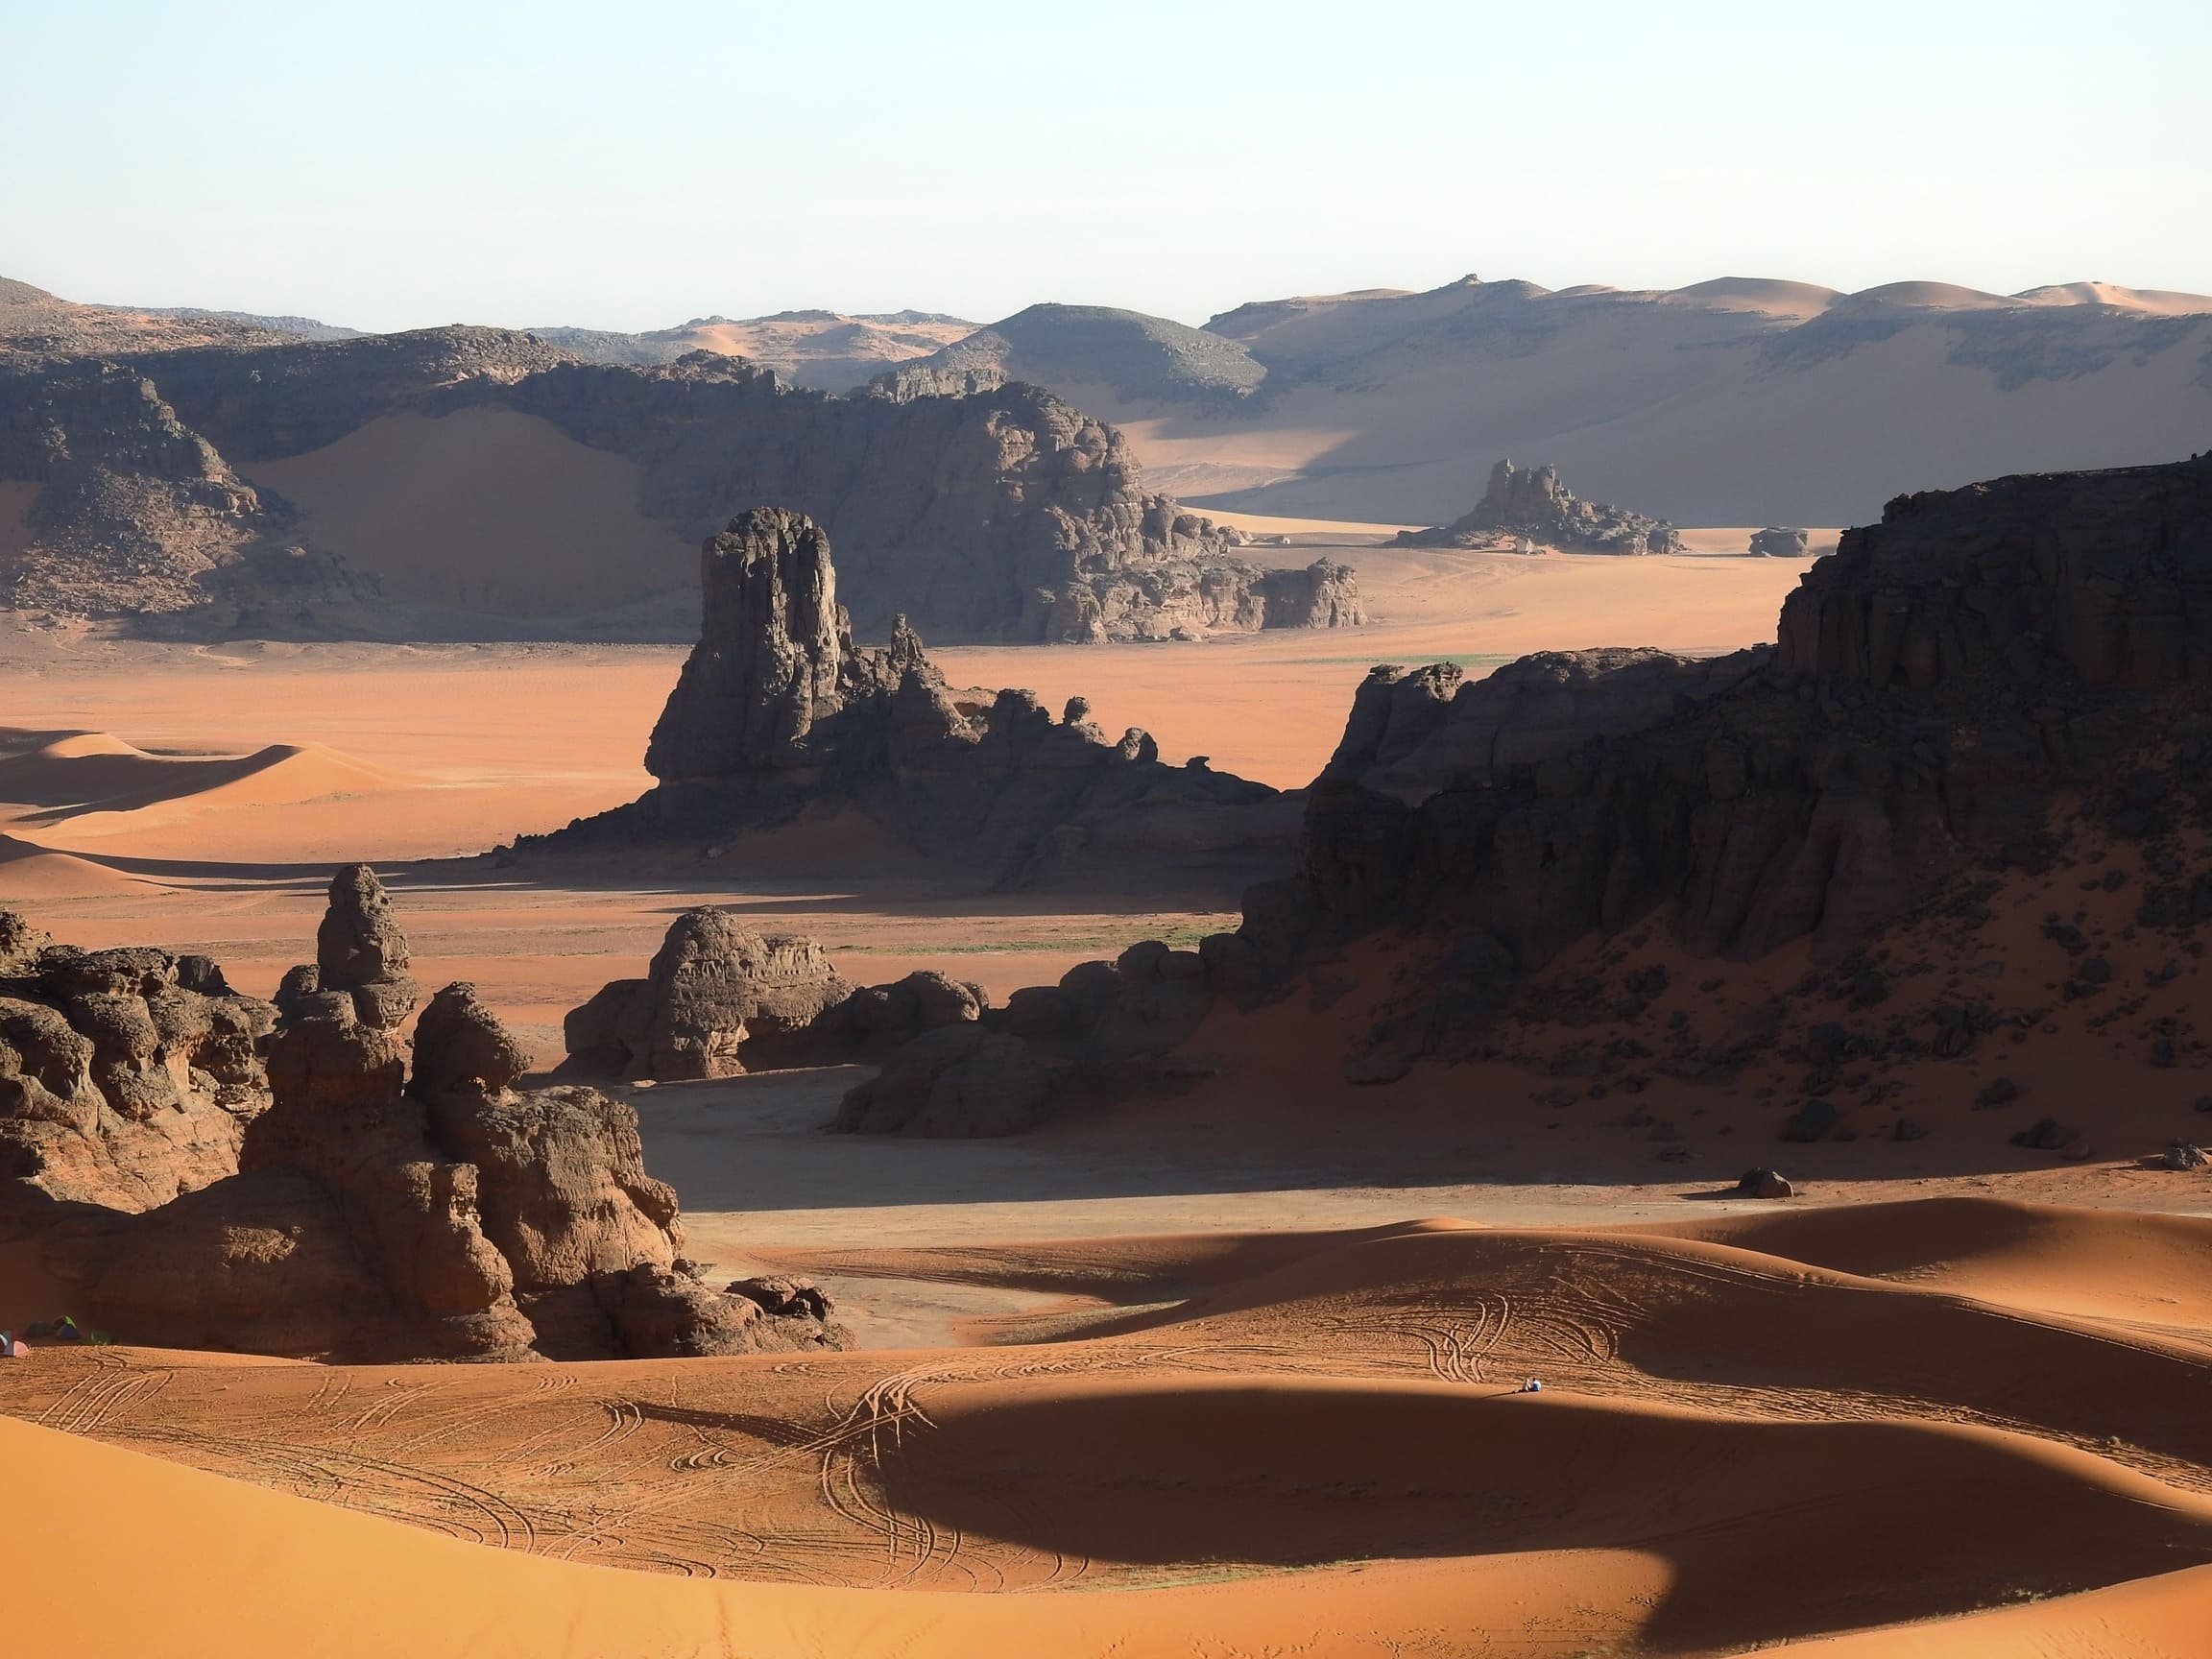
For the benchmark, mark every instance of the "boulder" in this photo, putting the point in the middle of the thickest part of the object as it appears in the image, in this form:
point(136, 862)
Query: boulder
point(956, 1081)
point(1765, 1184)
point(718, 993)
point(459, 1043)
point(2049, 1135)
point(1773, 542)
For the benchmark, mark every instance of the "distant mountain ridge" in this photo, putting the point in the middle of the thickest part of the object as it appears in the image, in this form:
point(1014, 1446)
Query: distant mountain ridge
point(1739, 400)
point(1733, 401)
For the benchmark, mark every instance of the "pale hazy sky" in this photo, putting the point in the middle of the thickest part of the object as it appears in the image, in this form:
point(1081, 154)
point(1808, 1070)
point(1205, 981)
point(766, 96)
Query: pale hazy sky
point(399, 164)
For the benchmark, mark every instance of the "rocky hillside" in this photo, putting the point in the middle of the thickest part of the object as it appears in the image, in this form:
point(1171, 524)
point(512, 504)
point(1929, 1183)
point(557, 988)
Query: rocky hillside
point(222, 488)
point(35, 323)
point(1126, 354)
point(826, 350)
point(1735, 402)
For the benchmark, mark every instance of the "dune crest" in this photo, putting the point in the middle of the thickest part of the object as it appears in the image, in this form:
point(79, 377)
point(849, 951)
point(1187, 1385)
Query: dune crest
point(93, 783)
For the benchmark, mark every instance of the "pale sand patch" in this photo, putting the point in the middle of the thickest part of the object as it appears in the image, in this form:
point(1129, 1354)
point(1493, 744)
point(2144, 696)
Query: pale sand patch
point(486, 510)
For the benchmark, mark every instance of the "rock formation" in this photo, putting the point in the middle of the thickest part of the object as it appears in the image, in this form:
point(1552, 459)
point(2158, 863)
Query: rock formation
point(777, 716)
point(985, 510)
point(1529, 503)
point(721, 998)
point(358, 1215)
point(1773, 542)
point(1325, 594)
point(1105, 1026)
point(1938, 682)
point(1953, 690)
point(714, 988)
point(127, 1076)
point(360, 953)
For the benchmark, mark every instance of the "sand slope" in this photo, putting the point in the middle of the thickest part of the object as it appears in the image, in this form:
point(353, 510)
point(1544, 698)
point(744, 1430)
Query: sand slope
point(1317, 1446)
point(486, 510)
point(218, 1567)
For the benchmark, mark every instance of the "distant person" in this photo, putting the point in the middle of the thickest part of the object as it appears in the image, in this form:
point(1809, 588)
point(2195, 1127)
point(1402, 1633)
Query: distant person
point(1531, 1386)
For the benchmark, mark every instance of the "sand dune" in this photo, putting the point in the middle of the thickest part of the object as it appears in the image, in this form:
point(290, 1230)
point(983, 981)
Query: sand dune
point(95, 782)
point(2155, 1270)
point(486, 510)
point(1315, 1448)
point(1905, 1520)
point(92, 791)
point(29, 871)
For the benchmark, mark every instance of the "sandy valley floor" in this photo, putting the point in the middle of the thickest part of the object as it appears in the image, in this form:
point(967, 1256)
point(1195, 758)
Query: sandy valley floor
point(1267, 1329)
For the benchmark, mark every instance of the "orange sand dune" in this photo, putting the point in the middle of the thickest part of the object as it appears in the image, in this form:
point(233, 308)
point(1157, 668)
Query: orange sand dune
point(2153, 1270)
point(1734, 1447)
point(1903, 1519)
point(220, 1567)
point(95, 784)
point(29, 871)
point(2160, 1618)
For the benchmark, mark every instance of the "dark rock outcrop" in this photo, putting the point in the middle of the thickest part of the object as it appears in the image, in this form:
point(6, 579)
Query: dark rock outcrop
point(136, 515)
point(1106, 1026)
point(1413, 732)
point(1775, 542)
point(956, 1081)
point(779, 716)
point(1938, 682)
point(1943, 685)
point(1530, 503)
point(127, 1076)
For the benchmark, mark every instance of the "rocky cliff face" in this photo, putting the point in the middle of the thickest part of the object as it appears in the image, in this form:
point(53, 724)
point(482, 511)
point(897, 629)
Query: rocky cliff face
point(1941, 682)
point(1990, 684)
point(777, 715)
point(351, 1212)
point(139, 515)
point(1530, 504)
point(985, 510)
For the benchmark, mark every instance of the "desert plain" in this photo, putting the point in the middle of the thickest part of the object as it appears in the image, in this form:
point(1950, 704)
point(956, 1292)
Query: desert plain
point(1232, 1370)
